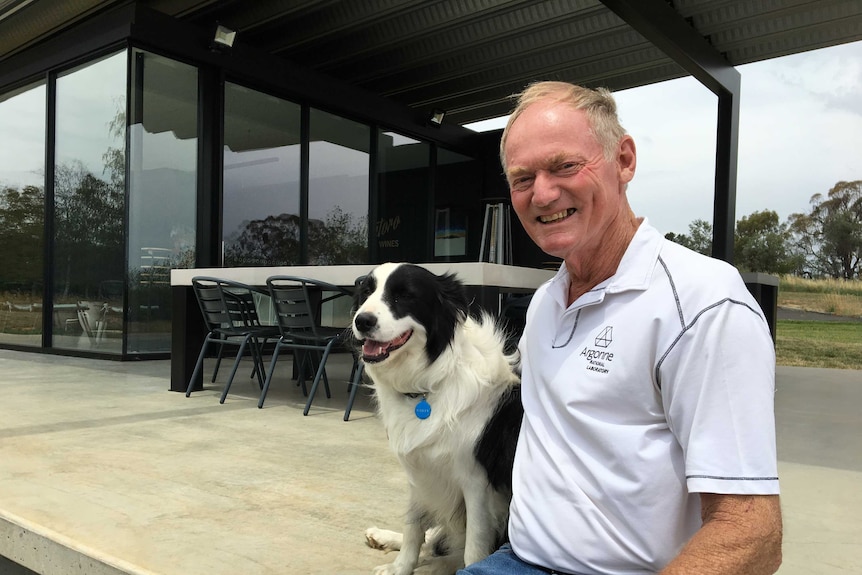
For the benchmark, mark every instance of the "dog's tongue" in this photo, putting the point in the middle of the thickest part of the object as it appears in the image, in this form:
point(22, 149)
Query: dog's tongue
point(373, 348)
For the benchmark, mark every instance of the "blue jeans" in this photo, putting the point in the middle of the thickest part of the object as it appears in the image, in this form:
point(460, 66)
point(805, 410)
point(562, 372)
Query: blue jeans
point(502, 562)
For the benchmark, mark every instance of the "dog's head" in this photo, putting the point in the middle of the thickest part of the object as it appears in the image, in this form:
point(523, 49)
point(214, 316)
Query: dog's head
point(405, 309)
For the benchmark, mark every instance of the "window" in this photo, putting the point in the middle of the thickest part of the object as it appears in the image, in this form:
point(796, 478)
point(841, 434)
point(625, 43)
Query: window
point(262, 222)
point(338, 190)
point(89, 193)
point(22, 214)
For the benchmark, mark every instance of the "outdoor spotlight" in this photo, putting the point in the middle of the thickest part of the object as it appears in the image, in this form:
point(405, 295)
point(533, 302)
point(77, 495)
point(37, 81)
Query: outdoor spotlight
point(224, 38)
point(436, 118)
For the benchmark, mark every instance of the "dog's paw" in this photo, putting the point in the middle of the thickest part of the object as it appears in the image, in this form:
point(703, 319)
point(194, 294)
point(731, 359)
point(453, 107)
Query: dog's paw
point(390, 569)
point(382, 539)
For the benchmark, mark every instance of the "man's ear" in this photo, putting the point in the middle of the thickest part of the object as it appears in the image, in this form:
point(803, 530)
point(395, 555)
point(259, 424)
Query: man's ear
point(627, 159)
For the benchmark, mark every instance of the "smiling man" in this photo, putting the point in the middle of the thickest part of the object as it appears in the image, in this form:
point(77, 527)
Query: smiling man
point(648, 373)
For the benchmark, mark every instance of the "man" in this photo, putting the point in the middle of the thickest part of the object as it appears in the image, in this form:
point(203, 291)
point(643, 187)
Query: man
point(648, 440)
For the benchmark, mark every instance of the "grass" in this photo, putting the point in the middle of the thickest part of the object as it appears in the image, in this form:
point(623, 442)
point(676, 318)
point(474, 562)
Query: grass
point(820, 343)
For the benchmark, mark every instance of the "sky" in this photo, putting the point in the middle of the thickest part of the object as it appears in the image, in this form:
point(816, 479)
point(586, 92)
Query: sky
point(800, 133)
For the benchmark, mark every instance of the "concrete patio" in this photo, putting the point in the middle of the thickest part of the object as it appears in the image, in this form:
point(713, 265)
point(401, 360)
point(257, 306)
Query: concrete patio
point(104, 471)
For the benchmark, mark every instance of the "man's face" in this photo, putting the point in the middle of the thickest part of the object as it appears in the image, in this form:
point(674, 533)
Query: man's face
point(566, 194)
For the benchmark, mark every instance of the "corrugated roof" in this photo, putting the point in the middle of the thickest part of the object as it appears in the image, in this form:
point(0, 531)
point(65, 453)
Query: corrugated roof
point(468, 56)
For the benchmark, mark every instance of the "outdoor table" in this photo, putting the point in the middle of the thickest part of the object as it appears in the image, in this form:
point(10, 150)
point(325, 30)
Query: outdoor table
point(486, 284)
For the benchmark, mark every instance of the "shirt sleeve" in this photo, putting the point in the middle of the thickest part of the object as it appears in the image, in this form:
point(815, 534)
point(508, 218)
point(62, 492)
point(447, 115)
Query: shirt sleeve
point(718, 389)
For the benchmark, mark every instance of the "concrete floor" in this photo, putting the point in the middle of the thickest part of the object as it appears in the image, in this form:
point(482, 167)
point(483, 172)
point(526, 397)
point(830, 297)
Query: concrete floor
point(104, 471)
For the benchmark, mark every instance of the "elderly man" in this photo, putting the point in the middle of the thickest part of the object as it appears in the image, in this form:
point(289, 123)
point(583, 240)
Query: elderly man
point(648, 440)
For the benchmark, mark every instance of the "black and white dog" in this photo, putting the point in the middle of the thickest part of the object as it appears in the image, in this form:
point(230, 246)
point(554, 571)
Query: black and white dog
point(448, 397)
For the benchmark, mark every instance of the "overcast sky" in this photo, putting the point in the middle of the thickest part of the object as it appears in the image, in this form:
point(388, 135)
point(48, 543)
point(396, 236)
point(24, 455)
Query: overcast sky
point(800, 133)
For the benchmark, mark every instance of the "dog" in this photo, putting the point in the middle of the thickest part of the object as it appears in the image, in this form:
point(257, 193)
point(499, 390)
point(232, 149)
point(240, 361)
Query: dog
point(449, 398)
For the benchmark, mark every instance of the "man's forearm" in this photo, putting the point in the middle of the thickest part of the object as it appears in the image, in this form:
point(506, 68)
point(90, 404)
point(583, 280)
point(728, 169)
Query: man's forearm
point(741, 535)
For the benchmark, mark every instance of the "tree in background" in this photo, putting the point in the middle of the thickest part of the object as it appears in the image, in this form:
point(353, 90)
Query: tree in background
point(829, 236)
point(762, 244)
point(699, 237)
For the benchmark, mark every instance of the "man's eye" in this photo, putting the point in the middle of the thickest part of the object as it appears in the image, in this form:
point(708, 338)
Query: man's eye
point(521, 182)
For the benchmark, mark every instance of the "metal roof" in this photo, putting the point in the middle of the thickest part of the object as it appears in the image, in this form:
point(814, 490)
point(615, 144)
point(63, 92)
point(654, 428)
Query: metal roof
point(468, 56)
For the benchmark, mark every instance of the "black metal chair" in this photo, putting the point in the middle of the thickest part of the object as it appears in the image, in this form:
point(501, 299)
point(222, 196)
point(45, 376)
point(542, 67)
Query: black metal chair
point(296, 300)
point(231, 318)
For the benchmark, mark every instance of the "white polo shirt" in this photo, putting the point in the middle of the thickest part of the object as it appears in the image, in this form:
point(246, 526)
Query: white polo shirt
point(655, 386)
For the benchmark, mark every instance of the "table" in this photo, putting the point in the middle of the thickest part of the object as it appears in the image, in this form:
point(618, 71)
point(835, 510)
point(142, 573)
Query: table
point(486, 283)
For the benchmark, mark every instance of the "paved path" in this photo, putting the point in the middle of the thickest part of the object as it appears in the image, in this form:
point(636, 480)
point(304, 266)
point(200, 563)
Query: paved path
point(105, 472)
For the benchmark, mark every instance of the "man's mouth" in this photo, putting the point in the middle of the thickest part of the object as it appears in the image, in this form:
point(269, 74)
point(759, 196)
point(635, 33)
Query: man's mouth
point(376, 351)
point(561, 215)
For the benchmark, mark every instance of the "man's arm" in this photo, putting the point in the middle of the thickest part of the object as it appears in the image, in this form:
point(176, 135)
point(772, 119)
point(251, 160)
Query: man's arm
point(741, 534)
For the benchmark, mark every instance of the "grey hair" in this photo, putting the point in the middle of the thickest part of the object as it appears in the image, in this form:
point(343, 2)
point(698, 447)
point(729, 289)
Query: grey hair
point(598, 104)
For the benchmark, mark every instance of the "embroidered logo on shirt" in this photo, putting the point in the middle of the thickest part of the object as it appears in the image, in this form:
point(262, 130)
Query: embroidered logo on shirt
point(598, 358)
point(606, 337)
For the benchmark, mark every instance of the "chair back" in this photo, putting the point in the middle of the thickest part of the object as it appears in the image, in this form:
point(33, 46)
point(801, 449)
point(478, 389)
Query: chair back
point(293, 310)
point(225, 303)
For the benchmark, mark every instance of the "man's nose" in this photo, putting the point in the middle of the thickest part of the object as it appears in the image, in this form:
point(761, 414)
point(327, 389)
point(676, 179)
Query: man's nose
point(545, 189)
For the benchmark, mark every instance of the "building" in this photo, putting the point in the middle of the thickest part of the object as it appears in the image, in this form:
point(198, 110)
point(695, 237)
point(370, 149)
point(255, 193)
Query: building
point(137, 139)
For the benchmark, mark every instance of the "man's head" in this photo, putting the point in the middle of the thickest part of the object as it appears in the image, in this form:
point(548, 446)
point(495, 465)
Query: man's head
point(568, 162)
point(598, 105)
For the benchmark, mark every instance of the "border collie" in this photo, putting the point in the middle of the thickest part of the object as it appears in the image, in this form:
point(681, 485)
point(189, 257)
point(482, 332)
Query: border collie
point(448, 397)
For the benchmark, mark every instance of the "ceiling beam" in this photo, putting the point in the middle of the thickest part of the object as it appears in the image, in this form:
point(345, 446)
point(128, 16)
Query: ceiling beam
point(659, 23)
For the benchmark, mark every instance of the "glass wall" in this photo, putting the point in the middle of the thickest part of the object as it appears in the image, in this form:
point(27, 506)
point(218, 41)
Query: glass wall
point(404, 202)
point(458, 213)
point(339, 165)
point(22, 214)
point(262, 221)
point(89, 190)
point(163, 148)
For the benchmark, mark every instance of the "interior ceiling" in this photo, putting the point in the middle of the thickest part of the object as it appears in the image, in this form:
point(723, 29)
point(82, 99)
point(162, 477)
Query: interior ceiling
point(468, 56)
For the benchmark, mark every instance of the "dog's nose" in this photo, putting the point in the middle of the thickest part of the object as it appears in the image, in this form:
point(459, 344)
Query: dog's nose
point(365, 322)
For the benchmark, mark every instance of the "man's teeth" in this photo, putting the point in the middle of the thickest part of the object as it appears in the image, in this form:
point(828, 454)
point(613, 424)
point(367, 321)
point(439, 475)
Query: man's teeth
point(557, 216)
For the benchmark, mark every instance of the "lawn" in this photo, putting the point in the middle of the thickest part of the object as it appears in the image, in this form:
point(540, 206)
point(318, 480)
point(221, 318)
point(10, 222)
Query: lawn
point(820, 343)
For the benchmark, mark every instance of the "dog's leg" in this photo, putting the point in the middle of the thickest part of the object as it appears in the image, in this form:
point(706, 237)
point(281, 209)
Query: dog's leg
point(411, 544)
point(481, 533)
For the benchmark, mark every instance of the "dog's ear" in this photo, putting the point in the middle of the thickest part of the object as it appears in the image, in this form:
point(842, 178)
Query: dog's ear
point(363, 287)
point(453, 296)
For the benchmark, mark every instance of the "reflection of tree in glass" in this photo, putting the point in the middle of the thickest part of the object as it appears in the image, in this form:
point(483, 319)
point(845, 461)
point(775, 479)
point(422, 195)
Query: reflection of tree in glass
point(271, 241)
point(21, 231)
point(338, 240)
point(275, 241)
point(88, 215)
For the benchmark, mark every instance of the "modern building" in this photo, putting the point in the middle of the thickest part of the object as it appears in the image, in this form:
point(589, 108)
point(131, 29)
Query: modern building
point(140, 136)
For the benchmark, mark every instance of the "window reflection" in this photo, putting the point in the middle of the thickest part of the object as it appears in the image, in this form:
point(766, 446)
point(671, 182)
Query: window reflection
point(162, 192)
point(22, 209)
point(338, 190)
point(261, 179)
point(403, 208)
point(458, 215)
point(89, 186)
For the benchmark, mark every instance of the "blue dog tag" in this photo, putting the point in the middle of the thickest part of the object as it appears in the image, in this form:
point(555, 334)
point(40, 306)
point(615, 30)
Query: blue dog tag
point(423, 409)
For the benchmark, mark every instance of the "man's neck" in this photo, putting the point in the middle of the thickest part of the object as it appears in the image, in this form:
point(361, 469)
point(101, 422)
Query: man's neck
point(586, 271)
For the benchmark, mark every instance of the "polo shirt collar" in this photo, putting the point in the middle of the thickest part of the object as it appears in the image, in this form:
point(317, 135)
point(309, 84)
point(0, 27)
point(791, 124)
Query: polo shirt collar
point(633, 273)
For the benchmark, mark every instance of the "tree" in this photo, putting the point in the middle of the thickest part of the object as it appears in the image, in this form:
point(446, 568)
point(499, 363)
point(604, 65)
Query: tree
point(699, 238)
point(761, 244)
point(829, 237)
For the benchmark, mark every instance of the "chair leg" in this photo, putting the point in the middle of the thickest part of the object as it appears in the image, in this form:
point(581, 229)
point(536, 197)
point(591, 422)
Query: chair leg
point(198, 367)
point(268, 376)
point(257, 356)
point(358, 368)
point(235, 366)
point(321, 374)
point(218, 360)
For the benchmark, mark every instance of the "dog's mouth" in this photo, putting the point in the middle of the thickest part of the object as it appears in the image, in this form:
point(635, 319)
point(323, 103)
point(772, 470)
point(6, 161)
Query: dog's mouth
point(376, 351)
